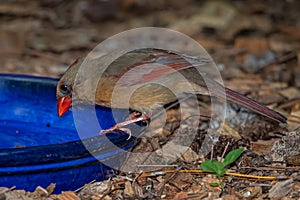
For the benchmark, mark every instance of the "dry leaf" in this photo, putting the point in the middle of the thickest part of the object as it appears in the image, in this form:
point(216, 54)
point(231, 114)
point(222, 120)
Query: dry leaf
point(189, 155)
point(68, 196)
point(262, 147)
point(281, 189)
point(180, 195)
point(294, 120)
point(128, 191)
point(181, 180)
point(255, 192)
point(255, 46)
point(290, 93)
point(195, 188)
point(282, 43)
point(51, 188)
point(228, 131)
point(230, 197)
point(40, 192)
point(293, 160)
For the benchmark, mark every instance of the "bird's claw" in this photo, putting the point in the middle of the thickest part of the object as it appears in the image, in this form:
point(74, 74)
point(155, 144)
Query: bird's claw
point(131, 119)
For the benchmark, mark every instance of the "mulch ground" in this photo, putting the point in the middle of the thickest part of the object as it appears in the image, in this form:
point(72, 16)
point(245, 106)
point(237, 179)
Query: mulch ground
point(256, 46)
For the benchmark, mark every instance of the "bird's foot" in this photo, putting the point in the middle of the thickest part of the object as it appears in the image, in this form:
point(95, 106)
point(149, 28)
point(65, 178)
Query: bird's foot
point(133, 118)
point(134, 115)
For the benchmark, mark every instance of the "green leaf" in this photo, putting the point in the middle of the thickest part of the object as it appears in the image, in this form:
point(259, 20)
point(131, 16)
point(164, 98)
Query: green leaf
point(213, 166)
point(214, 184)
point(232, 156)
point(220, 169)
point(208, 166)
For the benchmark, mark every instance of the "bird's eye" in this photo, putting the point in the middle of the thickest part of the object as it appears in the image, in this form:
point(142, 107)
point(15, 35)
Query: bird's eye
point(65, 88)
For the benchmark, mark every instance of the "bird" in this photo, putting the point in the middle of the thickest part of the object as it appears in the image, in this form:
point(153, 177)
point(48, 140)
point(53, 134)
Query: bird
point(136, 76)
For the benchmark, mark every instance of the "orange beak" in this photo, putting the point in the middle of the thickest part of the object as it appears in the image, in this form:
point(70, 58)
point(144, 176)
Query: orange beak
point(63, 104)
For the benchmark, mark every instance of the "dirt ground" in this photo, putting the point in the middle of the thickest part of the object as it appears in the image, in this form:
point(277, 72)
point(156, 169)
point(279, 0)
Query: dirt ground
point(256, 46)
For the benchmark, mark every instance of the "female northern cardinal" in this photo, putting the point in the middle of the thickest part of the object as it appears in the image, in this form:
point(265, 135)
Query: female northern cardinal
point(134, 76)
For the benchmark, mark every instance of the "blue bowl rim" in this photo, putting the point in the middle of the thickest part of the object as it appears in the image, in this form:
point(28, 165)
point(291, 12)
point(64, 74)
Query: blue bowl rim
point(35, 155)
point(18, 76)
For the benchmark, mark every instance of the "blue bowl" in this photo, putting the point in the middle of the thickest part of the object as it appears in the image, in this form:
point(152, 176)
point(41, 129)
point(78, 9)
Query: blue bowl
point(38, 148)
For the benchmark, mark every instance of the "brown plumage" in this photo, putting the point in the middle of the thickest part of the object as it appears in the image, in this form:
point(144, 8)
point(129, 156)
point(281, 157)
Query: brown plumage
point(130, 75)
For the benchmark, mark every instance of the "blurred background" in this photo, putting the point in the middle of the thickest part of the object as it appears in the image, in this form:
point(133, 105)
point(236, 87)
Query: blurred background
point(255, 44)
point(43, 37)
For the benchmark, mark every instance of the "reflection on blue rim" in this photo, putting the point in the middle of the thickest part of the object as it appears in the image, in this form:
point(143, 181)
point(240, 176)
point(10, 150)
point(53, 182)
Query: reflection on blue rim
point(38, 148)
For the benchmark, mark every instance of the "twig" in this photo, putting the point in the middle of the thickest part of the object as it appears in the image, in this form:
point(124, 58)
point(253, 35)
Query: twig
point(270, 168)
point(141, 166)
point(77, 190)
point(174, 172)
point(225, 149)
point(199, 171)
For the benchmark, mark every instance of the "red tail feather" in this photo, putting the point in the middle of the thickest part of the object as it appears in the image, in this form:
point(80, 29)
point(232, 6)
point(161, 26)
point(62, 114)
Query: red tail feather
point(243, 101)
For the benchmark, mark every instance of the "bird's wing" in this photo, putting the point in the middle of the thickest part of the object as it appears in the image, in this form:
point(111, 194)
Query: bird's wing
point(156, 63)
